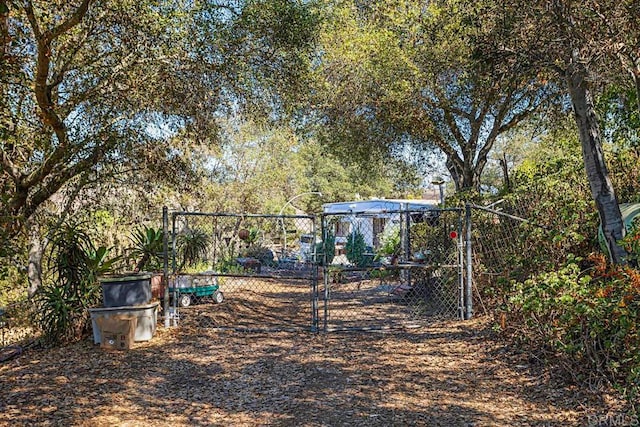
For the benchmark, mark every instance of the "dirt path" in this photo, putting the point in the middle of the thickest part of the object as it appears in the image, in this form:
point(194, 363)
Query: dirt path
point(450, 374)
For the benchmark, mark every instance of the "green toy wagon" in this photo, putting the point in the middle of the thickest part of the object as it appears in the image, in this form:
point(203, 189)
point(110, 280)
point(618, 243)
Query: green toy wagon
point(190, 287)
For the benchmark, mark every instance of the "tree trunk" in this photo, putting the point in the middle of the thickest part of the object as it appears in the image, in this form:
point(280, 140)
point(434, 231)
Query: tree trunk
point(601, 188)
point(505, 172)
point(465, 178)
point(36, 249)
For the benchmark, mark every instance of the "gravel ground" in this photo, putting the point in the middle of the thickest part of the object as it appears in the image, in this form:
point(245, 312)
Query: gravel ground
point(447, 374)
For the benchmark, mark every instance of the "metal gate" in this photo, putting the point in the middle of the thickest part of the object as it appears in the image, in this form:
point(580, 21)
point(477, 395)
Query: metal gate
point(387, 269)
point(242, 272)
point(363, 270)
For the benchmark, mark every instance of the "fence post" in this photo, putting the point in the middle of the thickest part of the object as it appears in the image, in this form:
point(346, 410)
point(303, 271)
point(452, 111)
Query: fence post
point(174, 267)
point(325, 280)
point(468, 312)
point(314, 274)
point(165, 267)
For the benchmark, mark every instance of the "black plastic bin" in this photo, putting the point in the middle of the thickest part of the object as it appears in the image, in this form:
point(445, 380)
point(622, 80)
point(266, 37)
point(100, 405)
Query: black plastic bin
point(121, 291)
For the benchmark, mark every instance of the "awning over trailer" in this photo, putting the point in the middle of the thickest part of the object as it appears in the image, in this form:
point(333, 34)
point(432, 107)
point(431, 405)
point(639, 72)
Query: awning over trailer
point(378, 206)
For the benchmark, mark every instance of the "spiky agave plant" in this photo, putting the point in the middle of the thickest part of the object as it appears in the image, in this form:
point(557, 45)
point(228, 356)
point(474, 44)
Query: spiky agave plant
point(147, 248)
point(72, 286)
point(192, 247)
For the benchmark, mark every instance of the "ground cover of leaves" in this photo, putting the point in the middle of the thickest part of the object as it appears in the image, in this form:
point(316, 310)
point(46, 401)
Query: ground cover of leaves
point(450, 373)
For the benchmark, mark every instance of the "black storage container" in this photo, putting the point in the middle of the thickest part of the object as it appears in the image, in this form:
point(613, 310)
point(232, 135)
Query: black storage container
point(121, 291)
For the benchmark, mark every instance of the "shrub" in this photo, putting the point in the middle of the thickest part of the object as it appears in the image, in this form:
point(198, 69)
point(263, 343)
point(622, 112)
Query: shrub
point(357, 251)
point(326, 250)
point(588, 322)
point(74, 267)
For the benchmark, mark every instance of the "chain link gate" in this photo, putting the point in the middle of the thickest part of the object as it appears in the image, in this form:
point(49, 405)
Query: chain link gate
point(500, 236)
point(242, 272)
point(387, 269)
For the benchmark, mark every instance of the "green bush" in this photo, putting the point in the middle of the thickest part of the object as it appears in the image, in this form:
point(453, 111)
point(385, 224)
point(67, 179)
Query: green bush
point(326, 250)
point(72, 286)
point(357, 251)
point(590, 322)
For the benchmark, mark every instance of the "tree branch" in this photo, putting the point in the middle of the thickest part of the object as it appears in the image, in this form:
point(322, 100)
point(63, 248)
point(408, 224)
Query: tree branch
point(73, 20)
point(42, 89)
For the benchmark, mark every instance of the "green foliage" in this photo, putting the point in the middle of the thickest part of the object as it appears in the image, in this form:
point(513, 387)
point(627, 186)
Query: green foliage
point(229, 265)
point(580, 314)
point(624, 169)
point(357, 251)
point(63, 314)
point(588, 318)
point(631, 242)
point(406, 76)
point(430, 242)
point(147, 248)
point(619, 109)
point(326, 250)
point(389, 242)
point(70, 246)
point(72, 286)
point(192, 247)
point(225, 261)
point(254, 235)
point(93, 124)
point(551, 190)
point(98, 262)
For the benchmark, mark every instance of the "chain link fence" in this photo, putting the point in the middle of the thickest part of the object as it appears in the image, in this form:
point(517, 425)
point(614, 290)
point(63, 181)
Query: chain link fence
point(243, 272)
point(505, 246)
point(391, 268)
point(381, 269)
point(357, 270)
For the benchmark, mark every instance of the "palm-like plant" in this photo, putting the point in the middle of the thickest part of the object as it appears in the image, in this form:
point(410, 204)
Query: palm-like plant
point(147, 248)
point(74, 264)
point(192, 247)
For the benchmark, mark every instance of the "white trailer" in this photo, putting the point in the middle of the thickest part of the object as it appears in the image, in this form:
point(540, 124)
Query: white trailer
point(373, 217)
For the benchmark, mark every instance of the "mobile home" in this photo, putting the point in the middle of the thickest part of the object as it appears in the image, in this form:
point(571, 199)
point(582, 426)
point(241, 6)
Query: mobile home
point(372, 218)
